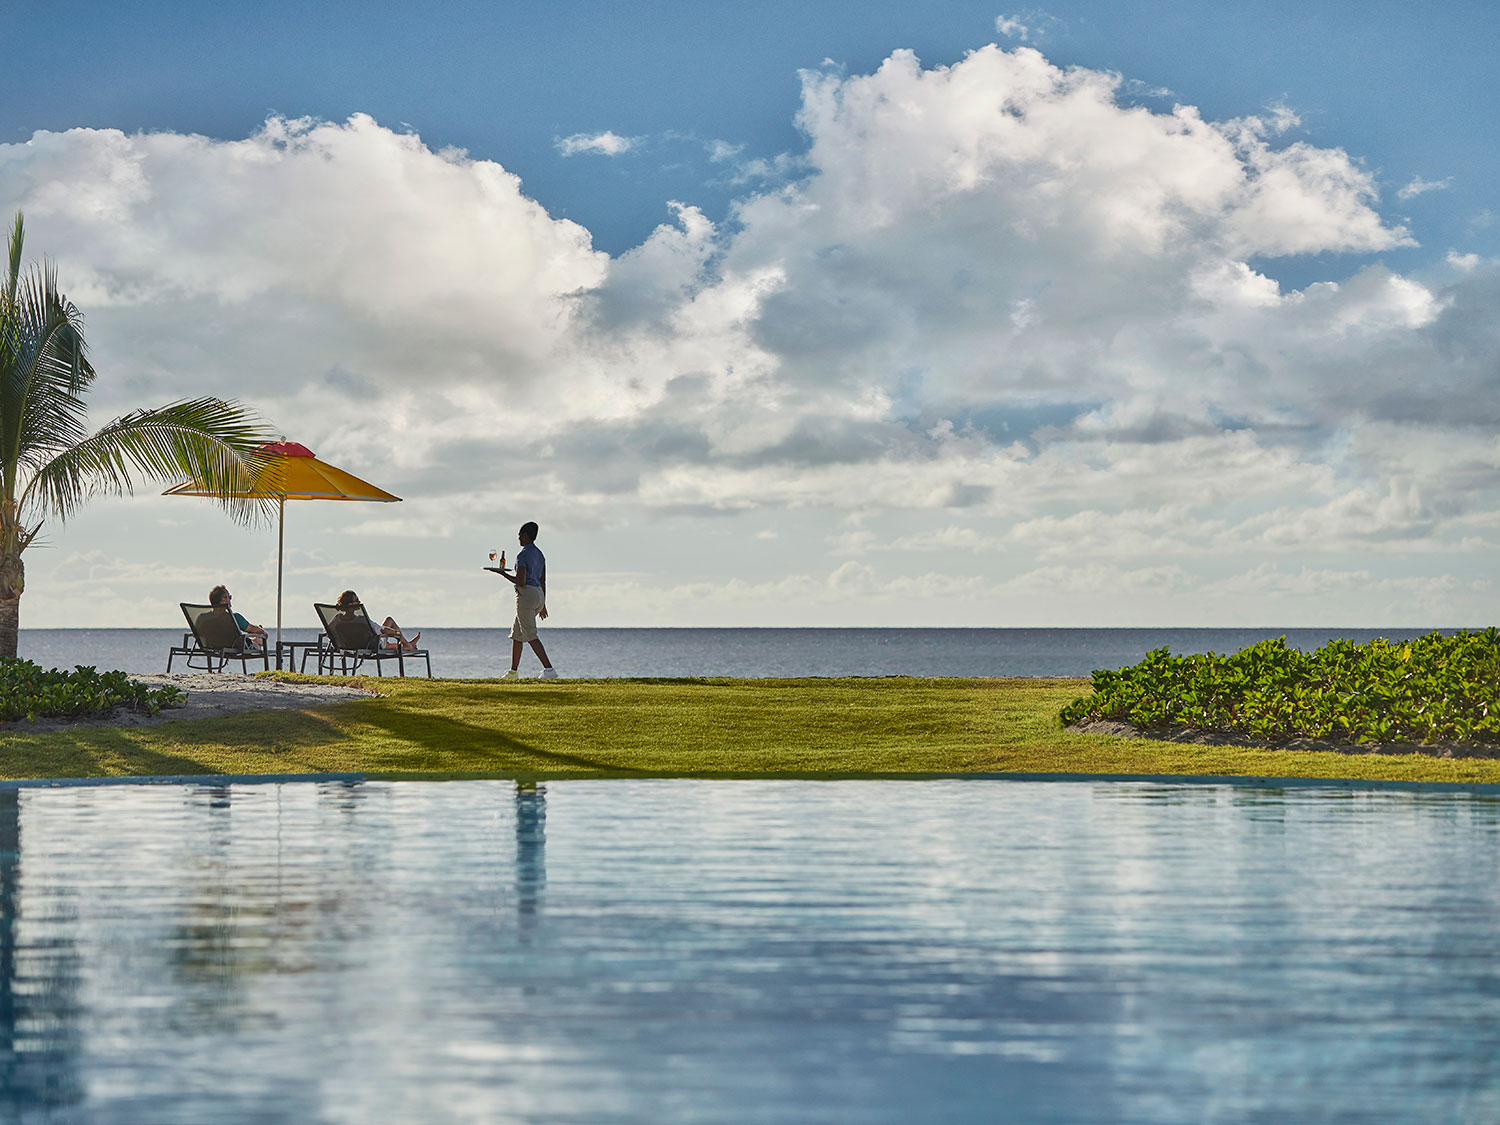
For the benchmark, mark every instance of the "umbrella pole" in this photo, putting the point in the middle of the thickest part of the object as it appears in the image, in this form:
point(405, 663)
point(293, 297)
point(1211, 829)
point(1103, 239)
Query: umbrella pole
point(280, 550)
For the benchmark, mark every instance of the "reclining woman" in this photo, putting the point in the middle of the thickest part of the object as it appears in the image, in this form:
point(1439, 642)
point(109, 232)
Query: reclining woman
point(352, 636)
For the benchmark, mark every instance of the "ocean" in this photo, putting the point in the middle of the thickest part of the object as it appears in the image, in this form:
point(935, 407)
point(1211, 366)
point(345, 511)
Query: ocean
point(593, 653)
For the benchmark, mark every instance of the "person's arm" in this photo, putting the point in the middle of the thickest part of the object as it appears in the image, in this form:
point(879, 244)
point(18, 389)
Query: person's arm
point(514, 579)
point(542, 612)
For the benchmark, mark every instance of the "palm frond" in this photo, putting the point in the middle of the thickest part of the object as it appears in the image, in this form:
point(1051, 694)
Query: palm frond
point(207, 440)
point(17, 240)
point(55, 371)
point(44, 371)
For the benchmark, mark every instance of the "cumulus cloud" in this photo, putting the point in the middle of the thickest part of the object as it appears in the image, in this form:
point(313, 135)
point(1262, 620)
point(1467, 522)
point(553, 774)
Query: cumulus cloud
point(307, 250)
point(1023, 328)
point(943, 253)
point(599, 144)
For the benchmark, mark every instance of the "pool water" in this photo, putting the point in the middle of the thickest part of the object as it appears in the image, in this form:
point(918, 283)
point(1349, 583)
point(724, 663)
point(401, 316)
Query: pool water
point(789, 951)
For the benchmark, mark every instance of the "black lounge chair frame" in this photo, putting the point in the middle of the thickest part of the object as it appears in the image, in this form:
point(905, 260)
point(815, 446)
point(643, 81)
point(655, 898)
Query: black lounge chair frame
point(350, 638)
point(215, 638)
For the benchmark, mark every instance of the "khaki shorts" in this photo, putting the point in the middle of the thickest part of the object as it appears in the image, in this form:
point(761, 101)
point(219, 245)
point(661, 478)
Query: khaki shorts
point(528, 601)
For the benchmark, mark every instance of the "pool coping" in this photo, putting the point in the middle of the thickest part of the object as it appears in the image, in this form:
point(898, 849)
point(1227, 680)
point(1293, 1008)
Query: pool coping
point(175, 779)
point(1238, 781)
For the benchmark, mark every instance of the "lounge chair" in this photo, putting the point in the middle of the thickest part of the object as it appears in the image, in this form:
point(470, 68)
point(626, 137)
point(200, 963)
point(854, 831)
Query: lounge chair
point(215, 639)
point(350, 638)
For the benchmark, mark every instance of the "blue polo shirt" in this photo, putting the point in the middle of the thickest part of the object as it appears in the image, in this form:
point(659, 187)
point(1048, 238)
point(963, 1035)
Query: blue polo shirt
point(531, 557)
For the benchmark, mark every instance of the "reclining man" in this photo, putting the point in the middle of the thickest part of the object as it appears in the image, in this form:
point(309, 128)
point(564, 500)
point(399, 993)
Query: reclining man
point(255, 636)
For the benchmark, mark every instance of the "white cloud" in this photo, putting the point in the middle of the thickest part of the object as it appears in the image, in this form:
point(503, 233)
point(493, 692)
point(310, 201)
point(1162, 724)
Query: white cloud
point(1100, 578)
point(1138, 89)
point(1431, 597)
point(991, 308)
point(599, 144)
point(267, 262)
point(1030, 26)
point(721, 152)
point(1085, 220)
point(1012, 28)
point(1171, 530)
point(947, 539)
point(1419, 186)
point(1283, 119)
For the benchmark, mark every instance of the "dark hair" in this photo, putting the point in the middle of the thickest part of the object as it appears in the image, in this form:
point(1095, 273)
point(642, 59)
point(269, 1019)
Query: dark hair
point(348, 600)
point(217, 595)
point(529, 528)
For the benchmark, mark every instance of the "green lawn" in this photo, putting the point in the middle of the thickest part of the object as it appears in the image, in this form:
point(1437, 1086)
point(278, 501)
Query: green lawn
point(677, 727)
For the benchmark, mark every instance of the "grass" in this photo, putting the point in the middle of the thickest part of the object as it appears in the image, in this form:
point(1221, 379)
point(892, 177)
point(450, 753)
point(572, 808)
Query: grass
point(603, 728)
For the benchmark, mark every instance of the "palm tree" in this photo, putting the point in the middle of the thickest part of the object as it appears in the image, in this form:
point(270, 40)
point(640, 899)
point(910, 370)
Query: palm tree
point(49, 462)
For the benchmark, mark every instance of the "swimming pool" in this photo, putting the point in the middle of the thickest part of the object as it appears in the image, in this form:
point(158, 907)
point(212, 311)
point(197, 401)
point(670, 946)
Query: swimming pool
point(789, 951)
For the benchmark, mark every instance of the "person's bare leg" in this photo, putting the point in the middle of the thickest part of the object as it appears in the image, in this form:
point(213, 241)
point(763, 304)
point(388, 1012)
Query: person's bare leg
point(391, 629)
point(536, 647)
point(515, 655)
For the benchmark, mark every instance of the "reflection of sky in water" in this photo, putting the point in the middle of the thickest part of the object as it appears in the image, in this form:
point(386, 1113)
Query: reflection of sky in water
point(791, 951)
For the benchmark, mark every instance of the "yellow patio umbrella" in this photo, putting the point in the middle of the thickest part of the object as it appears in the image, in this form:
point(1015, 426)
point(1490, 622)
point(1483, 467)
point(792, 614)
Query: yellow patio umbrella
point(294, 473)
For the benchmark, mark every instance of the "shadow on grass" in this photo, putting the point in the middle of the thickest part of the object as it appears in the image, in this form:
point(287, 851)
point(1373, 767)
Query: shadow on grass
point(447, 742)
point(175, 747)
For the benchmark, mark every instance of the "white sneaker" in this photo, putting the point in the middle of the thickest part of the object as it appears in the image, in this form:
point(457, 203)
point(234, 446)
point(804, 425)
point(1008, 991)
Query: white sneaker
point(511, 675)
point(548, 674)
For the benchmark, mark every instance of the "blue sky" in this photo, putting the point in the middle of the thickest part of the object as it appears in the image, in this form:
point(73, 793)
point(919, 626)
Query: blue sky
point(783, 324)
point(1411, 92)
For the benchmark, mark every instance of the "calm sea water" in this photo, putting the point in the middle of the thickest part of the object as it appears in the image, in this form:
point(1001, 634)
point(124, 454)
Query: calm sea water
point(663, 951)
point(738, 652)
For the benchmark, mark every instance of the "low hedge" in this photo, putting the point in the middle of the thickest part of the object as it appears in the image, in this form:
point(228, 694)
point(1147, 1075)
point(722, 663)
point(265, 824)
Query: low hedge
point(1434, 688)
point(29, 692)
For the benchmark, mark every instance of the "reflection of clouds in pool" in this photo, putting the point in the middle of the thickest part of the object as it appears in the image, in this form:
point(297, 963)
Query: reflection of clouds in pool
point(39, 991)
point(786, 950)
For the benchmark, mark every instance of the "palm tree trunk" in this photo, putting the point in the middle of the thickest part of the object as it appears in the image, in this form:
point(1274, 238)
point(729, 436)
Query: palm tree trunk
point(12, 582)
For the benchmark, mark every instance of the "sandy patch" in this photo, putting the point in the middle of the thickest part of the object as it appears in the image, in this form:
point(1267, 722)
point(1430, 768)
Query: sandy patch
point(209, 695)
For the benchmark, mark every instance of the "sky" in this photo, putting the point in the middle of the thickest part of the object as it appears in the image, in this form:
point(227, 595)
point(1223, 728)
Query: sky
point(951, 314)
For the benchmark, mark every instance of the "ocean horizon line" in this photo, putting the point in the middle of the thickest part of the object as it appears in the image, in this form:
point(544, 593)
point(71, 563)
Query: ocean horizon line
point(756, 650)
point(803, 628)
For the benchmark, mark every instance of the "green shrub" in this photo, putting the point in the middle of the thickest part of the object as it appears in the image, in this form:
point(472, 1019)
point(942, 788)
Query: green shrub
point(28, 692)
point(1424, 690)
